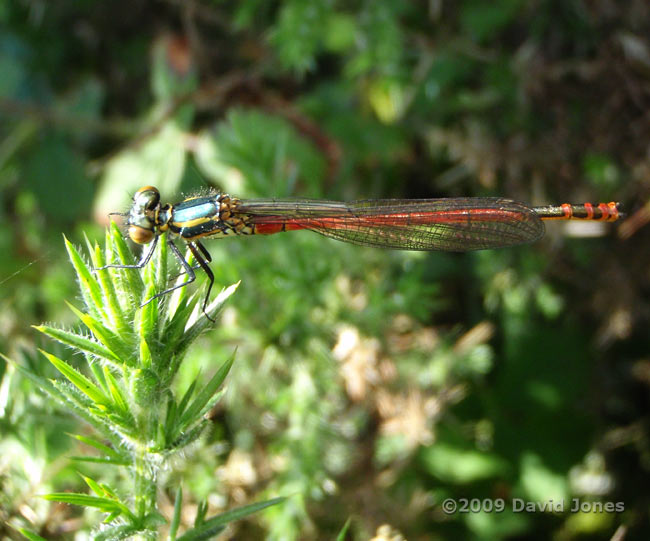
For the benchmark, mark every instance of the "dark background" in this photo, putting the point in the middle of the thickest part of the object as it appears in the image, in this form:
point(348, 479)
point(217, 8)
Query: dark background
point(368, 384)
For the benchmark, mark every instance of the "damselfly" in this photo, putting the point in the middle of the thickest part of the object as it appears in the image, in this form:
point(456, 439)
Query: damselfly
point(456, 224)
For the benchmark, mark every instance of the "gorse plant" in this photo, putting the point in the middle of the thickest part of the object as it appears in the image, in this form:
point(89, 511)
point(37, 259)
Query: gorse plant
point(133, 354)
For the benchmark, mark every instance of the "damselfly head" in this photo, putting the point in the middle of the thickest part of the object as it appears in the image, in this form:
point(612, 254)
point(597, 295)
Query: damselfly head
point(143, 215)
point(147, 198)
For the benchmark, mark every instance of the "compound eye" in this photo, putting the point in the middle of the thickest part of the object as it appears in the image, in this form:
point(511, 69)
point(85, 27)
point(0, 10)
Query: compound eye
point(148, 197)
point(140, 235)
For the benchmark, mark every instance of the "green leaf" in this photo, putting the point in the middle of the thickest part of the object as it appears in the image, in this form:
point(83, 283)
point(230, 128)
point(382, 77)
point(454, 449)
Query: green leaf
point(105, 505)
point(201, 532)
point(97, 372)
point(31, 535)
point(70, 397)
point(344, 530)
point(78, 341)
point(148, 314)
point(187, 436)
point(65, 393)
point(100, 460)
point(109, 492)
point(186, 396)
point(115, 313)
point(125, 424)
point(147, 323)
point(119, 401)
point(80, 381)
point(116, 343)
point(175, 344)
point(159, 267)
point(90, 289)
point(129, 280)
point(94, 486)
point(201, 511)
point(111, 517)
point(203, 400)
point(109, 451)
point(171, 415)
point(209, 526)
point(176, 517)
point(145, 353)
point(197, 323)
point(179, 298)
point(116, 244)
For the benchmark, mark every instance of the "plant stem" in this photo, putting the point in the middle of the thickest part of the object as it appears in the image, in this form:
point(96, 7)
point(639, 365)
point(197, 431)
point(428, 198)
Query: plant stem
point(144, 490)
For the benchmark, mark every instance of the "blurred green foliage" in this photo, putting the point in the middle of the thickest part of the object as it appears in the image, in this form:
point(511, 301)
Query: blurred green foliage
point(367, 384)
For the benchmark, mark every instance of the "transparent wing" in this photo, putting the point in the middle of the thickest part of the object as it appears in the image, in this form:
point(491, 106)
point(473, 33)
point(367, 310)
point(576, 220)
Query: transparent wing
point(456, 224)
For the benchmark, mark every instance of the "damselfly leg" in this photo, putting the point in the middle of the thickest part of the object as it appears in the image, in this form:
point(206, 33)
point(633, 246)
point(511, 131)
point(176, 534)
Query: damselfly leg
point(199, 252)
point(203, 259)
point(144, 259)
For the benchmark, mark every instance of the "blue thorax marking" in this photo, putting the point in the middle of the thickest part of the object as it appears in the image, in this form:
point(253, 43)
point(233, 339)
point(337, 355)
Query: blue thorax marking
point(201, 207)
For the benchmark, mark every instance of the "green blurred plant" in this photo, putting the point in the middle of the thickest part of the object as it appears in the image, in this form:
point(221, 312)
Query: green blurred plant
point(133, 355)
